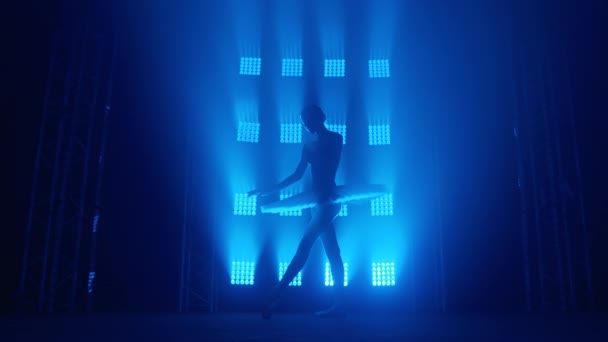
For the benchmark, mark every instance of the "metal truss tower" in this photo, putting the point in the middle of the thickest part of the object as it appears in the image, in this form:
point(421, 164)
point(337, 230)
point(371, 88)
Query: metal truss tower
point(197, 291)
point(556, 262)
point(58, 265)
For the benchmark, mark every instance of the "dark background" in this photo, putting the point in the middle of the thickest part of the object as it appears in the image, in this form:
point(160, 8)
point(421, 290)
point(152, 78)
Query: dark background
point(140, 243)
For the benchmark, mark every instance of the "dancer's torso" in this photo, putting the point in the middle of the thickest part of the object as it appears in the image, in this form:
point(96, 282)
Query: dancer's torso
point(324, 158)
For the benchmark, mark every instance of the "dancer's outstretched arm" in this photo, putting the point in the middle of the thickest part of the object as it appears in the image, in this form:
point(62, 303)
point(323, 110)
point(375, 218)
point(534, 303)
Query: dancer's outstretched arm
point(294, 177)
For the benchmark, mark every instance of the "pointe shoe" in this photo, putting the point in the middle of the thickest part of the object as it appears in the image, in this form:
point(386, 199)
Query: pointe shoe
point(332, 311)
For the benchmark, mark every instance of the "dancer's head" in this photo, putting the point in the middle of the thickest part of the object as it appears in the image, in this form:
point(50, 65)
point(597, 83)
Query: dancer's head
point(313, 118)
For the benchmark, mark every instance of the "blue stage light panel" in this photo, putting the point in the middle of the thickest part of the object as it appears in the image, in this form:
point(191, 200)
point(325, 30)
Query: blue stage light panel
point(343, 210)
point(379, 134)
point(297, 281)
point(291, 133)
point(292, 67)
point(382, 206)
point(329, 280)
point(251, 65)
point(383, 274)
point(248, 132)
point(334, 67)
point(242, 273)
point(340, 129)
point(245, 205)
point(379, 68)
point(283, 196)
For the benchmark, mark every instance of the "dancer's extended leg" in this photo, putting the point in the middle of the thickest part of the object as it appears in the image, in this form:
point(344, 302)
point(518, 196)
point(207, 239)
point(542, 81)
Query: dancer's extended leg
point(294, 267)
point(299, 259)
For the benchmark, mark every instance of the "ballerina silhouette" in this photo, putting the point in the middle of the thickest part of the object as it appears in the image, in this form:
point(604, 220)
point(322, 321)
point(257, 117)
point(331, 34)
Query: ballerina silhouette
point(323, 155)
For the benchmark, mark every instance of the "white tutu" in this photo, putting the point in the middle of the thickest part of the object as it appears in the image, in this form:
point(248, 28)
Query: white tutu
point(342, 194)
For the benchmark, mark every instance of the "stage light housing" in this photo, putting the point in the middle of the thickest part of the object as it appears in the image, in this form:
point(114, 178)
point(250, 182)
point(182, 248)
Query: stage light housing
point(251, 66)
point(379, 68)
point(383, 274)
point(242, 273)
point(334, 67)
point(291, 67)
point(245, 205)
point(382, 206)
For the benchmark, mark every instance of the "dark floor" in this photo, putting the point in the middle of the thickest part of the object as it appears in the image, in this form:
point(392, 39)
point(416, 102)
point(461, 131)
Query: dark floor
point(300, 327)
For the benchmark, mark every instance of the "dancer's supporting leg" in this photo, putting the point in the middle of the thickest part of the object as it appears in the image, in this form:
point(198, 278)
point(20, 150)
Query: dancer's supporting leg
point(332, 249)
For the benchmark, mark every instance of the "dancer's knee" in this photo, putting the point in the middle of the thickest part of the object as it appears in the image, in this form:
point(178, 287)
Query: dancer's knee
point(333, 252)
point(305, 245)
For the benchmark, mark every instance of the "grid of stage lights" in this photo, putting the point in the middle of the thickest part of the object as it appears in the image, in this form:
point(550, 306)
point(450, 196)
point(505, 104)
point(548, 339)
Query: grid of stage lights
point(383, 274)
point(379, 68)
point(379, 134)
point(291, 67)
point(382, 206)
point(284, 194)
point(245, 205)
point(334, 67)
point(340, 129)
point(329, 280)
point(250, 66)
point(242, 273)
point(248, 132)
point(297, 281)
point(291, 133)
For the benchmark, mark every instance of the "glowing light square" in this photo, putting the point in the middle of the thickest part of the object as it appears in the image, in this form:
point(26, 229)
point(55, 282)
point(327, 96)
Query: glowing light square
point(291, 133)
point(242, 273)
point(251, 66)
point(286, 193)
point(292, 67)
point(382, 206)
point(383, 274)
point(379, 134)
point(340, 129)
point(248, 132)
point(334, 67)
point(245, 205)
point(379, 68)
point(297, 281)
point(329, 280)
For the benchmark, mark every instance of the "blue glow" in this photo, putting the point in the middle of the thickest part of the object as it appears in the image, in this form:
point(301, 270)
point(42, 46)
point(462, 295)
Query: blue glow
point(297, 281)
point(248, 132)
point(242, 273)
point(382, 206)
point(291, 133)
point(379, 68)
point(251, 65)
point(383, 274)
point(329, 280)
point(292, 67)
point(334, 67)
point(340, 129)
point(379, 134)
point(245, 205)
point(343, 210)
